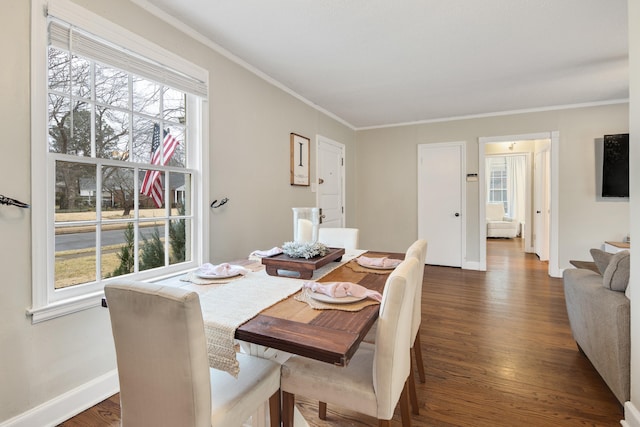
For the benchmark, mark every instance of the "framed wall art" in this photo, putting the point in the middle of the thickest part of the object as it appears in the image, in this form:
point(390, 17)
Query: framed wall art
point(299, 160)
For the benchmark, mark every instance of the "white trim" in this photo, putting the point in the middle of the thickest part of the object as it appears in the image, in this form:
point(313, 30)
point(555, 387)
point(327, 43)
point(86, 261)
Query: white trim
point(471, 265)
point(341, 147)
point(554, 137)
point(631, 415)
point(39, 194)
point(68, 404)
point(499, 113)
point(554, 269)
point(64, 307)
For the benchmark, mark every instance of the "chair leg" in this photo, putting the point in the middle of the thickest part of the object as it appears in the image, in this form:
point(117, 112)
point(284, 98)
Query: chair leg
point(384, 423)
point(413, 397)
point(417, 352)
point(288, 403)
point(322, 410)
point(404, 406)
point(274, 409)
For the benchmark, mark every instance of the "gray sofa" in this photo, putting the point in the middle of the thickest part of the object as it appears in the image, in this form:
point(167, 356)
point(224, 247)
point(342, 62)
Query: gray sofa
point(598, 312)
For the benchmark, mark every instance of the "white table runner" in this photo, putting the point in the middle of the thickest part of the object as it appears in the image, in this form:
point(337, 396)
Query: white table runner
point(226, 307)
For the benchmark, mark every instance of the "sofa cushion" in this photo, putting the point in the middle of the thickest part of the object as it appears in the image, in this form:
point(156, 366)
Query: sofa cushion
point(616, 276)
point(601, 258)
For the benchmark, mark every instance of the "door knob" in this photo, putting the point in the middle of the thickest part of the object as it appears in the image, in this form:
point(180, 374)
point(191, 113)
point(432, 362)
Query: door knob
point(457, 214)
point(538, 211)
point(320, 181)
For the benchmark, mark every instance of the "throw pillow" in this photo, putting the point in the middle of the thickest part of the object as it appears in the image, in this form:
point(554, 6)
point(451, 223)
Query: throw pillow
point(616, 276)
point(601, 258)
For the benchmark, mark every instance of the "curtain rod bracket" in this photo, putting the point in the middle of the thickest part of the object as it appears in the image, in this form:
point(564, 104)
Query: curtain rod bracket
point(13, 202)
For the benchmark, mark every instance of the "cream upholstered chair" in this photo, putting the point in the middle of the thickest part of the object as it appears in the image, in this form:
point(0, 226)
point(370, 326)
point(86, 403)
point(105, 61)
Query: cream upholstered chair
point(163, 367)
point(375, 379)
point(417, 250)
point(339, 237)
point(497, 224)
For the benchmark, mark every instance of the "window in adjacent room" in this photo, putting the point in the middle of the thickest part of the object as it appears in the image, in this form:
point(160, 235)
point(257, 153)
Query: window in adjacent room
point(497, 172)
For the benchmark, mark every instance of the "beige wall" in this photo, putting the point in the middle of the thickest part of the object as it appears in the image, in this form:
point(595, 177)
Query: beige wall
point(387, 177)
point(250, 122)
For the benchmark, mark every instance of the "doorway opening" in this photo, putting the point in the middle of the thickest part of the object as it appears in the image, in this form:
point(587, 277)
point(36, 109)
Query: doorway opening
point(518, 174)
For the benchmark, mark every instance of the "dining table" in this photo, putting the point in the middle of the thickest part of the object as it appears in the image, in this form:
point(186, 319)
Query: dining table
point(330, 334)
point(276, 326)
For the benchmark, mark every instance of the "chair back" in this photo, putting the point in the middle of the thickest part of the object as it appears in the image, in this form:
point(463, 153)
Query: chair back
point(392, 361)
point(161, 354)
point(417, 250)
point(339, 237)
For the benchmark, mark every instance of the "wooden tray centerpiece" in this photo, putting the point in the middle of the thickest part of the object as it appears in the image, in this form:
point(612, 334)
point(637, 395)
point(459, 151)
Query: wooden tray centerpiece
point(303, 266)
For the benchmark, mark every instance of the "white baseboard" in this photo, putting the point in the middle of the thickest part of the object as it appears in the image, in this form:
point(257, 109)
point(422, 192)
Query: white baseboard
point(68, 404)
point(471, 265)
point(631, 416)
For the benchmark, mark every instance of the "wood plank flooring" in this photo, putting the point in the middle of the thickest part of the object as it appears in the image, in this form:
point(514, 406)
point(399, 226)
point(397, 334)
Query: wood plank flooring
point(498, 351)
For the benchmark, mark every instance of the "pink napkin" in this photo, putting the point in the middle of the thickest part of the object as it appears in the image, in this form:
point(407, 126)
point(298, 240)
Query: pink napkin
point(343, 289)
point(224, 269)
point(383, 262)
point(262, 254)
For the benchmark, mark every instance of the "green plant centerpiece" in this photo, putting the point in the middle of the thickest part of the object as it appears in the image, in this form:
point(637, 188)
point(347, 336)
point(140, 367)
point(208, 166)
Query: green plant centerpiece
point(304, 250)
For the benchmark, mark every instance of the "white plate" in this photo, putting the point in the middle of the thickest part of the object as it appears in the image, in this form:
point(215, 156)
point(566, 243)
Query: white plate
point(326, 298)
point(374, 268)
point(215, 276)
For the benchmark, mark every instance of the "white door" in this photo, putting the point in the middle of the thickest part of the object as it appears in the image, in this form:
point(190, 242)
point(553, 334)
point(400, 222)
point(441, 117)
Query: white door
point(541, 218)
point(440, 201)
point(330, 182)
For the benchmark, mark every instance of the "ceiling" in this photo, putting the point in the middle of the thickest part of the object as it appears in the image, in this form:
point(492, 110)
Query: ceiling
point(374, 63)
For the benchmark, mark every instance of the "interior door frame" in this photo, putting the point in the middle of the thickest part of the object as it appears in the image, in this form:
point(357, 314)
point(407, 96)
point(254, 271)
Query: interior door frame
point(343, 170)
point(463, 196)
point(554, 137)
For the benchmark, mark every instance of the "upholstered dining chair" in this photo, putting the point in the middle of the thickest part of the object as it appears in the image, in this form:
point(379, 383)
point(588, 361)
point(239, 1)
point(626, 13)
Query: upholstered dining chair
point(163, 368)
point(417, 250)
point(375, 380)
point(339, 237)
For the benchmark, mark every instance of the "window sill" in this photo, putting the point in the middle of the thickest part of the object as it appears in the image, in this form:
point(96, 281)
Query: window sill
point(62, 308)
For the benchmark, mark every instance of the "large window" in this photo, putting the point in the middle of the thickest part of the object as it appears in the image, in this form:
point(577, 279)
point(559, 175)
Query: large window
point(122, 155)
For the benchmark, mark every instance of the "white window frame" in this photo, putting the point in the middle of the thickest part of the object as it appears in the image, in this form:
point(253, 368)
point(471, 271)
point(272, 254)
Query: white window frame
point(48, 303)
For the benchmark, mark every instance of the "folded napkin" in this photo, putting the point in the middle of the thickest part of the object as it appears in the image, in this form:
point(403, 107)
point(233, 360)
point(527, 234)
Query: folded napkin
point(383, 262)
point(270, 252)
point(225, 269)
point(342, 289)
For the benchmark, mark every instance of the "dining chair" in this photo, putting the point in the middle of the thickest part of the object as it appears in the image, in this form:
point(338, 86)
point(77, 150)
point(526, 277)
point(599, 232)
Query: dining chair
point(375, 380)
point(339, 237)
point(417, 250)
point(163, 368)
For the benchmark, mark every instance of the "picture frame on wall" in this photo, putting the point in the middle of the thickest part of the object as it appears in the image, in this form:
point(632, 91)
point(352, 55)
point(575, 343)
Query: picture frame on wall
point(300, 157)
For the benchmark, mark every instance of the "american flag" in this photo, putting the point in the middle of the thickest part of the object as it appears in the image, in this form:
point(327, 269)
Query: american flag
point(152, 184)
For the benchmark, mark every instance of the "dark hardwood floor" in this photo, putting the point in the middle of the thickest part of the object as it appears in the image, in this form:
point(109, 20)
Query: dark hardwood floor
point(498, 351)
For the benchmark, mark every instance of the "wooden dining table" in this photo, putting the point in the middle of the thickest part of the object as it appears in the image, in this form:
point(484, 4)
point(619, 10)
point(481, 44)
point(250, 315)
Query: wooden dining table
point(328, 335)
